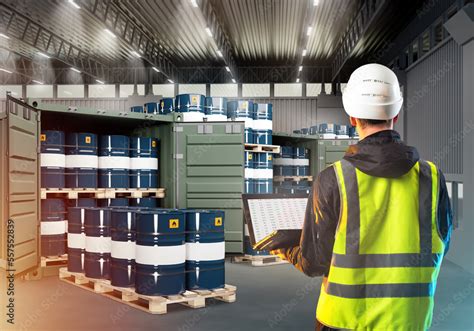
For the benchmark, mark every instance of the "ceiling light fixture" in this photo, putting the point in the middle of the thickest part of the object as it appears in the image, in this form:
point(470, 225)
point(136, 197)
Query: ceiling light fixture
point(310, 29)
point(233, 80)
point(110, 33)
point(37, 82)
point(300, 68)
point(227, 68)
point(209, 32)
point(135, 54)
point(99, 81)
point(194, 3)
point(44, 55)
point(169, 80)
point(304, 52)
point(219, 53)
point(4, 36)
point(74, 4)
point(297, 80)
point(156, 69)
point(76, 70)
point(5, 70)
point(316, 2)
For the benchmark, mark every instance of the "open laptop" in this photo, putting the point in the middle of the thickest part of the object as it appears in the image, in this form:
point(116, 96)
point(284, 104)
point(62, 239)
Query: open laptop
point(274, 220)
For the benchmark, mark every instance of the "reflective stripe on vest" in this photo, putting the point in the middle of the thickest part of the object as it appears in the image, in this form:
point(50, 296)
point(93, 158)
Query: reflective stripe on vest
point(387, 251)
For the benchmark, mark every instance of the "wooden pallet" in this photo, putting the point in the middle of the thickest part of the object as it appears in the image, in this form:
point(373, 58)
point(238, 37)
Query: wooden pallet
point(259, 260)
point(53, 260)
point(262, 148)
point(102, 193)
point(292, 178)
point(149, 304)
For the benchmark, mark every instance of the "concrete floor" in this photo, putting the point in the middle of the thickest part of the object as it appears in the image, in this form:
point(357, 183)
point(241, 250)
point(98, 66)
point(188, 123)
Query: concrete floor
point(268, 298)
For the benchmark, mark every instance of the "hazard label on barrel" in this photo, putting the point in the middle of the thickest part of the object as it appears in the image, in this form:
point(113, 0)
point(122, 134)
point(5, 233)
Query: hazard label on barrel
point(88, 140)
point(218, 221)
point(43, 137)
point(174, 223)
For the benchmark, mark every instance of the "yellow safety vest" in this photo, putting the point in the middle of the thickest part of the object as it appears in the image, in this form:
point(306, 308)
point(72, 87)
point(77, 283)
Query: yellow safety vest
point(387, 252)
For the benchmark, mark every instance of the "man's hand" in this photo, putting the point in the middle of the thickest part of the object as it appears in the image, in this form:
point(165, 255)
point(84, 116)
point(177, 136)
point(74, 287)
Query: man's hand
point(281, 253)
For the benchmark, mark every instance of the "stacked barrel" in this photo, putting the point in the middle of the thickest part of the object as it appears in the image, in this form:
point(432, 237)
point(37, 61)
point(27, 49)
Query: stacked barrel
point(53, 159)
point(262, 123)
point(53, 227)
point(114, 161)
point(216, 109)
point(205, 249)
point(81, 160)
point(292, 162)
point(143, 162)
point(191, 106)
point(243, 110)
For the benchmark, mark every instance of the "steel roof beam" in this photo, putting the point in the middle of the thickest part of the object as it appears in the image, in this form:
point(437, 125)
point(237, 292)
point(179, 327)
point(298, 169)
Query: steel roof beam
point(124, 27)
point(219, 35)
point(353, 36)
point(23, 29)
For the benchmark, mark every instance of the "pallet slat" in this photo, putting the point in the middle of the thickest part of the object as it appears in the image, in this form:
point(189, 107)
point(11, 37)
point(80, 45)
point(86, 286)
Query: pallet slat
point(292, 178)
point(259, 260)
point(262, 148)
point(149, 304)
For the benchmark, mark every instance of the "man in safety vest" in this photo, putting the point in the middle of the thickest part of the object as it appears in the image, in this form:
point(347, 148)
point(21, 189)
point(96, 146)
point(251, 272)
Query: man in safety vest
point(378, 222)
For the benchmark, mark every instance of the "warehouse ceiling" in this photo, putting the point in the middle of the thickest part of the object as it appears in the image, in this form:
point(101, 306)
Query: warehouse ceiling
point(171, 35)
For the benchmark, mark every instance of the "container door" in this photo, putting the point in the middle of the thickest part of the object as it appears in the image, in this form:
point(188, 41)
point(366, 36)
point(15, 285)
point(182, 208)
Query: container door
point(21, 185)
point(210, 168)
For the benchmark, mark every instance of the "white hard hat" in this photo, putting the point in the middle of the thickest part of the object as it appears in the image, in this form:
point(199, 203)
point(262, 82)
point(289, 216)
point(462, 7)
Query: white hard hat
point(372, 93)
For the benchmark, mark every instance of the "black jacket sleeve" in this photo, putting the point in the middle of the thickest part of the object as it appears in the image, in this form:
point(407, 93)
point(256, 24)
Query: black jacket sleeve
point(445, 214)
point(313, 255)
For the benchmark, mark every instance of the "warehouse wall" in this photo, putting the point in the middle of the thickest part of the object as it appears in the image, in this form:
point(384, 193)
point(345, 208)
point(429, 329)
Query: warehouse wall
point(434, 107)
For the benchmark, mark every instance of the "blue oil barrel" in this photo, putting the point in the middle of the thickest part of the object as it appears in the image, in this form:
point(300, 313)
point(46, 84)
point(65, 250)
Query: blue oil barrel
point(136, 109)
point(76, 239)
point(313, 130)
point(81, 160)
point(122, 251)
point(151, 108)
point(284, 188)
point(114, 161)
point(249, 165)
point(242, 110)
point(205, 249)
point(166, 106)
point(53, 159)
point(144, 162)
point(262, 123)
point(98, 243)
point(191, 105)
point(301, 161)
point(53, 227)
point(117, 202)
point(284, 162)
point(144, 202)
point(342, 131)
point(327, 128)
point(216, 109)
point(83, 202)
point(353, 132)
point(304, 131)
point(263, 173)
point(249, 136)
point(160, 252)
